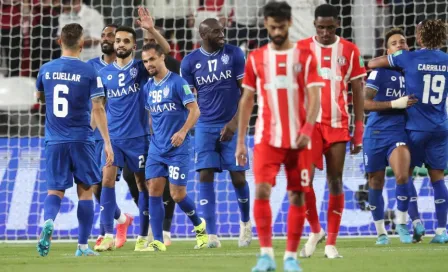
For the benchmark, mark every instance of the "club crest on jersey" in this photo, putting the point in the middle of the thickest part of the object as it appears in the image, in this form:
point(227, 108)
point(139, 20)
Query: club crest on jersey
point(133, 72)
point(166, 91)
point(297, 67)
point(225, 59)
point(342, 60)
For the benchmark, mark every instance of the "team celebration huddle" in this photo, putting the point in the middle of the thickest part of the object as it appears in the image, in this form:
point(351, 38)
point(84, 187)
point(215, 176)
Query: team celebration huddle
point(117, 115)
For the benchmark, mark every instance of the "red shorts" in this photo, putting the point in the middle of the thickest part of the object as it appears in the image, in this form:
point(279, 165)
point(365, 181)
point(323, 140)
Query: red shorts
point(267, 162)
point(323, 137)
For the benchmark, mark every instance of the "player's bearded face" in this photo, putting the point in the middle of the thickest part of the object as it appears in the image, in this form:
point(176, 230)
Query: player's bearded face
point(278, 30)
point(124, 44)
point(279, 39)
point(107, 47)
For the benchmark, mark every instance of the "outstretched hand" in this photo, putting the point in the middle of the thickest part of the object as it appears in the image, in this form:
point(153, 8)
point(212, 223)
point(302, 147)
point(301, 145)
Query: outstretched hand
point(146, 21)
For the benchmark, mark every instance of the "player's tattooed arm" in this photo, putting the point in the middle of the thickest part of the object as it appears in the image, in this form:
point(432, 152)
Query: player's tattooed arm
point(40, 97)
point(193, 116)
point(371, 105)
point(99, 117)
point(229, 129)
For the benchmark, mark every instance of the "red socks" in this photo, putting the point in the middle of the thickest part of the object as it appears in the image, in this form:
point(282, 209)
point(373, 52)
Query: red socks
point(335, 209)
point(263, 219)
point(311, 212)
point(296, 220)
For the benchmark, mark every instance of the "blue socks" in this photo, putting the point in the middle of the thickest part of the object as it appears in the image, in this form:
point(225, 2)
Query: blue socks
point(402, 195)
point(376, 204)
point(242, 195)
point(85, 218)
point(188, 207)
point(117, 212)
point(440, 200)
point(413, 197)
point(207, 200)
point(52, 205)
point(143, 202)
point(108, 206)
point(157, 213)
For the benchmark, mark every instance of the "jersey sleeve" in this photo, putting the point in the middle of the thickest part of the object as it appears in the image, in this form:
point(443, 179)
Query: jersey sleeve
point(250, 77)
point(96, 85)
point(39, 82)
point(146, 91)
point(373, 81)
point(398, 59)
point(358, 67)
point(312, 77)
point(185, 72)
point(238, 64)
point(184, 92)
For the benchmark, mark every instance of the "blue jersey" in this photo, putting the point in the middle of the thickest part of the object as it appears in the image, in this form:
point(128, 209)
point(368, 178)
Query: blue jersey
point(126, 114)
point(68, 84)
point(389, 85)
point(166, 103)
point(97, 63)
point(215, 77)
point(425, 72)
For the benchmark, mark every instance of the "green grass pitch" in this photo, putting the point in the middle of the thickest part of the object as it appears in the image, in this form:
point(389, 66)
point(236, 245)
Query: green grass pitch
point(360, 255)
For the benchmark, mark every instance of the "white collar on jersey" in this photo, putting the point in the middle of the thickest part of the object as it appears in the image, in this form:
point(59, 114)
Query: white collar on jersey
point(163, 79)
point(102, 61)
point(69, 58)
point(124, 67)
point(202, 50)
point(326, 46)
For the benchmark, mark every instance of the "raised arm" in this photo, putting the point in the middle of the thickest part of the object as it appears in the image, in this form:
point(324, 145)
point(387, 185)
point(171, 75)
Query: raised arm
point(379, 62)
point(147, 22)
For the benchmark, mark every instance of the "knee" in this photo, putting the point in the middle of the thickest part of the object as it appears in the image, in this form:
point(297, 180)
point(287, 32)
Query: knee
point(376, 182)
point(263, 191)
point(238, 183)
point(207, 175)
point(178, 195)
point(109, 177)
point(296, 198)
point(335, 183)
point(155, 188)
point(402, 178)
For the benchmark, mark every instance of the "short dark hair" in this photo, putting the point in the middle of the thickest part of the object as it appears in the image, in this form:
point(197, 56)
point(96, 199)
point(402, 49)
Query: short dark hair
point(280, 11)
point(155, 46)
point(326, 10)
point(433, 33)
point(391, 32)
point(127, 29)
point(110, 25)
point(71, 34)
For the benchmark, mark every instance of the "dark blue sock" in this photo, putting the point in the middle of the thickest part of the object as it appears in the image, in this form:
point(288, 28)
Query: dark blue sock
point(376, 204)
point(52, 204)
point(85, 219)
point(413, 197)
point(157, 213)
point(108, 205)
point(102, 230)
point(402, 195)
point(143, 202)
point(440, 200)
point(117, 212)
point(207, 200)
point(242, 195)
point(188, 207)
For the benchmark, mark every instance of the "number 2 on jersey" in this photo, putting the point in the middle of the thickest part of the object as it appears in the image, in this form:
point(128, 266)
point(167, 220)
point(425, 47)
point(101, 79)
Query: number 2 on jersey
point(60, 104)
point(120, 80)
point(433, 89)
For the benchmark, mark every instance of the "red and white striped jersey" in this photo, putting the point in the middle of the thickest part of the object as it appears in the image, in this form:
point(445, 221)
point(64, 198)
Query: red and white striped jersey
point(339, 63)
point(280, 79)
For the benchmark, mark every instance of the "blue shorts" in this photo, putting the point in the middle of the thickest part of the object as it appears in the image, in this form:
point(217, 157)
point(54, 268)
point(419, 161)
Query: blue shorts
point(430, 148)
point(66, 161)
point(99, 145)
point(212, 153)
point(175, 169)
point(378, 145)
point(132, 152)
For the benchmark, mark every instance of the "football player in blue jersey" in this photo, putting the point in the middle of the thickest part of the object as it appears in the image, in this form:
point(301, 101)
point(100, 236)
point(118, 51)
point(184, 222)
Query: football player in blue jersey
point(128, 126)
point(425, 73)
point(215, 71)
point(123, 220)
point(67, 85)
point(173, 111)
point(385, 143)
